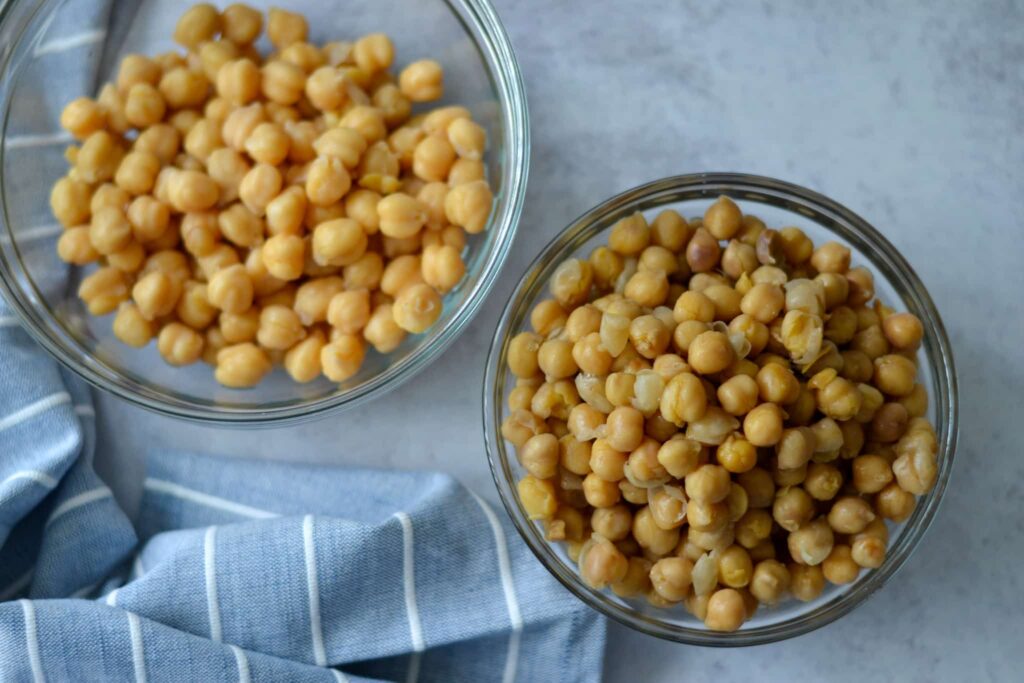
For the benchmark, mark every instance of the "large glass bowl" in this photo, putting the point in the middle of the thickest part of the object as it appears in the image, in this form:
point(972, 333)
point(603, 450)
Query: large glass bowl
point(43, 41)
point(779, 204)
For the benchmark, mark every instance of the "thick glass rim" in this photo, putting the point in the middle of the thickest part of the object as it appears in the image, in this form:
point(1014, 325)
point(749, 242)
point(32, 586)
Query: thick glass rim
point(844, 223)
point(481, 22)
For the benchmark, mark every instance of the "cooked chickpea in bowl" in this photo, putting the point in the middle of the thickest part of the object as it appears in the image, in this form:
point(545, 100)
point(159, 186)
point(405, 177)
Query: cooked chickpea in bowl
point(315, 209)
point(706, 415)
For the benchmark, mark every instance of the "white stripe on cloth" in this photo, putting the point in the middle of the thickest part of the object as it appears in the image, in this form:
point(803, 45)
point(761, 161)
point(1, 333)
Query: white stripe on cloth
point(92, 495)
point(138, 571)
point(41, 478)
point(243, 664)
point(29, 234)
point(511, 601)
point(70, 42)
point(191, 495)
point(30, 140)
point(8, 321)
point(138, 653)
point(32, 640)
point(210, 569)
point(34, 409)
point(313, 585)
point(85, 410)
point(339, 676)
point(409, 580)
point(112, 597)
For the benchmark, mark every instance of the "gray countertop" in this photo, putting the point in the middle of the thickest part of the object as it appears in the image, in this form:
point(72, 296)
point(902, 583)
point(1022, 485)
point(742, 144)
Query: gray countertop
point(909, 112)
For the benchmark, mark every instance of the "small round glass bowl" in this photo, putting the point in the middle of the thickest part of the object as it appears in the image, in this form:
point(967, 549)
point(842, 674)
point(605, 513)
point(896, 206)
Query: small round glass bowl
point(44, 38)
point(779, 204)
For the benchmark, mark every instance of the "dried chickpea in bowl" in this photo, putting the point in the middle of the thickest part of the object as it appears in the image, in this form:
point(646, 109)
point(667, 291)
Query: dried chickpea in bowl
point(311, 202)
point(761, 429)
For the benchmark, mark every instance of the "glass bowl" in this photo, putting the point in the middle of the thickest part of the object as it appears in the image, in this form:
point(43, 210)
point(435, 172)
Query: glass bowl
point(779, 204)
point(44, 40)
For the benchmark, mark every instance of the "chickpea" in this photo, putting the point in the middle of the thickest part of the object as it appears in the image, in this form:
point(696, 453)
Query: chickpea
point(723, 218)
point(903, 330)
point(889, 422)
point(280, 328)
point(193, 307)
point(762, 426)
point(680, 456)
point(367, 121)
point(894, 503)
point(382, 331)
point(671, 577)
point(647, 288)
point(422, 81)
point(670, 230)
point(602, 564)
point(684, 399)
point(144, 105)
point(770, 581)
point(831, 257)
point(442, 267)
point(613, 522)
point(401, 216)
point(98, 158)
point(326, 88)
point(539, 456)
point(571, 282)
point(82, 117)
point(806, 582)
point(726, 610)
point(738, 395)
point(735, 568)
point(285, 28)
point(241, 365)
point(823, 481)
point(736, 454)
point(131, 327)
point(349, 311)
point(708, 484)
point(338, 242)
point(183, 88)
point(895, 375)
point(702, 251)
point(850, 515)
point(573, 454)
point(868, 552)
point(793, 508)
point(241, 24)
point(590, 356)
point(302, 361)
point(341, 358)
point(839, 399)
point(763, 302)
point(839, 567)
point(630, 235)
point(230, 289)
point(402, 272)
point(179, 344)
point(871, 473)
point(599, 492)
point(795, 448)
point(467, 138)
point(199, 23)
point(777, 384)
point(811, 543)
point(650, 536)
point(916, 402)
point(417, 307)
point(625, 428)
point(433, 157)
point(556, 360)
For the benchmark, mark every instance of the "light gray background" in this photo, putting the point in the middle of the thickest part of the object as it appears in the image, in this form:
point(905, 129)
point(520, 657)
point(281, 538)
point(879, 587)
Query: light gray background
point(910, 113)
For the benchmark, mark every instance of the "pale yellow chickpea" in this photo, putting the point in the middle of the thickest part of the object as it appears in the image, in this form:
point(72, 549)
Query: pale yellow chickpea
point(314, 296)
point(203, 139)
point(200, 232)
point(365, 273)
point(284, 256)
point(301, 135)
point(112, 102)
point(193, 307)
point(367, 121)
point(469, 206)
point(381, 331)
point(467, 138)
point(400, 215)
point(401, 273)
point(179, 344)
point(109, 230)
point(282, 82)
point(349, 311)
point(199, 23)
point(82, 117)
point(652, 537)
point(231, 289)
point(239, 327)
point(268, 144)
point(98, 158)
point(214, 54)
point(241, 24)
point(433, 158)
point(74, 246)
point(466, 171)
point(280, 328)
point(227, 168)
point(811, 543)
point(327, 181)
point(285, 212)
point(416, 308)
point(183, 88)
point(131, 327)
point(144, 105)
point(156, 294)
point(70, 201)
point(259, 186)
point(240, 225)
point(422, 81)
point(241, 365)
point(285, 28)
point(302, 361)
point(338, 242)
point(326, 88)
point(136, 68)
point(240, 123)
point(442, 267)
point(373, 52)
point(192, 191)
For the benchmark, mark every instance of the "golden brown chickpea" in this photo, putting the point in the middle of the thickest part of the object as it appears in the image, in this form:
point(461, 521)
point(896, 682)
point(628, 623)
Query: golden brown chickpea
point(708, 484)
point(193, 307)
point(401, 216)
point(601, 563)
point(823, 481)
point(280, 328)
point(179, 344)
point(831, 257)
point(650, 536)
point(895, 374)
point(98, 158)
point(131, 327)
point(600, 493)
point(762, 426)
point(241, 24)
point(341, 358)
point(894, 503)
point(241, 365)
point(839, 567)
point(70, 201)
point(183, 88)
point(433, 158)
point(726, 610)
point(199, 23)
point(671, 577)
point(231, 289)
point(326, 88)
point(625, 428)
point(795, 448)
point(382, 331)
point(574, 455)
point(738, 258)
point(539, 456)
point(285, 28)
point(373, 52)
point(736, 454)
point(903, 330)
point(723, 218)
point(811, 543)
point(416, 308)
point(777, 384)
point(109, 230)
point(792, 508)
point(82, 117)
point(871, 473)
point(467, 138)
point(240, 226)
point(710, 352)
point(570, 285)
point(302, 361)
point(738, 395)
point(144, 105)
point(868, 552)
point(702, 251)
point(630, 235)
point(422, 81)
point(806, 582)
point(74, 246)
point(763, 302)
point(770, 581)
point(725, 299)
point(889, 422)
point(734, 567)
point(403, 271)
point(670, 230)
point(916, 402)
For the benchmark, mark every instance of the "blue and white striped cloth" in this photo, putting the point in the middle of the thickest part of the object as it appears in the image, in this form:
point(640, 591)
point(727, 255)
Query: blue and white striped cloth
point(255, 571)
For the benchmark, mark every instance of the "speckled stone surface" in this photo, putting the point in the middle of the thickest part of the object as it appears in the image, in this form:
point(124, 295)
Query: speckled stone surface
point(909, 112)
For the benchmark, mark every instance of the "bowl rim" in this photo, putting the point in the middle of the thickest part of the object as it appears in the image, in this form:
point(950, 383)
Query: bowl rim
point(481, 22)
point(878, 253)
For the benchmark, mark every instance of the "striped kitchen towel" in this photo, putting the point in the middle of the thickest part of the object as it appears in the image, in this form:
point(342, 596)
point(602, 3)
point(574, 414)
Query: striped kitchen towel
point(256, 571)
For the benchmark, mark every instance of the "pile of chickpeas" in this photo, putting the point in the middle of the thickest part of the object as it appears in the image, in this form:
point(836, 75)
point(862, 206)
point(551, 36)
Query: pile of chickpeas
point(717, 414)
point(290, 209)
